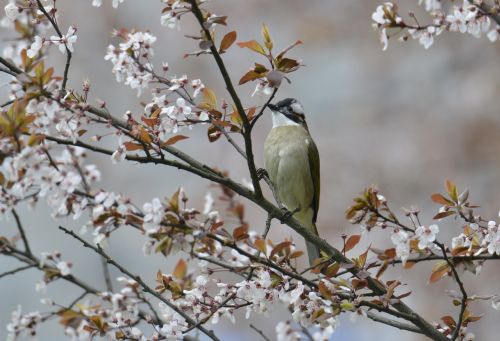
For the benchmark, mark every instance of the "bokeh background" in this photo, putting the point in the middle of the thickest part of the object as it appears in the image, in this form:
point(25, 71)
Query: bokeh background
point(405, 119)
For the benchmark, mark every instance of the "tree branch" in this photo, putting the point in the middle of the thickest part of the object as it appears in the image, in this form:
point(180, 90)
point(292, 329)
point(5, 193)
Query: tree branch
point(393, 323)
point(247, 131)
point(463, 303)
point(21, 232)
point(12, 272)
point(59, 33)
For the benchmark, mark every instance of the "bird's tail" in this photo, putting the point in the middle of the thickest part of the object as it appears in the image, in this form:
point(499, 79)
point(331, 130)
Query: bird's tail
point(306, 219)
point(312, 252)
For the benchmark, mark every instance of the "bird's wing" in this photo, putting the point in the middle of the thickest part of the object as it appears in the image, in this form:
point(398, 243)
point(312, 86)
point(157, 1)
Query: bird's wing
point(314, 169)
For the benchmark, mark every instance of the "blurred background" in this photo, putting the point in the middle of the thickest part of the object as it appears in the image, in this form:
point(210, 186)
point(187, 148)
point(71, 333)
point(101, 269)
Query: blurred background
point(405, 120)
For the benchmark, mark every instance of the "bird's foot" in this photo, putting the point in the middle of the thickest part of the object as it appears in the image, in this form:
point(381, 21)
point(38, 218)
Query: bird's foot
point(261, 173)
point(287, 214)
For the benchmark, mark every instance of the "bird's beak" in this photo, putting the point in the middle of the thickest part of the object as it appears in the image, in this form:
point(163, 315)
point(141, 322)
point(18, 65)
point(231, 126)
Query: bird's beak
point(272, 107)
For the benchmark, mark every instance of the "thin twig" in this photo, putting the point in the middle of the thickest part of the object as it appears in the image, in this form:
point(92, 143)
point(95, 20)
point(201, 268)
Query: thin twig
point(260, 332)
point(463, 303)
point(7, 103)
point(307, 334)
point(59, 33)
point(252, 124)
point(12, 272)
point(21, 232)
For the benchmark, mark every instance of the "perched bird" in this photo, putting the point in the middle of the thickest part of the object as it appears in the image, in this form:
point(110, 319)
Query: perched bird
point(292, 163)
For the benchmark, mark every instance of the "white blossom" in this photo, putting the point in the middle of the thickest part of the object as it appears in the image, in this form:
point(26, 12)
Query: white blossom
point(125, 57)
point(493, 36)
point(64, 268)
point(402, 241)
point(119, 154)
point(426, 235)
point(495, 303)
point(35, 47)
point(284, 332)
point(11, 11)
point(154, 213)
point(66, 41)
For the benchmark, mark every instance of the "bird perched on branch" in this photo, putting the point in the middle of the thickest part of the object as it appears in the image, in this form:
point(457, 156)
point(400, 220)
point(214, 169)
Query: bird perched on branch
point(292, 163)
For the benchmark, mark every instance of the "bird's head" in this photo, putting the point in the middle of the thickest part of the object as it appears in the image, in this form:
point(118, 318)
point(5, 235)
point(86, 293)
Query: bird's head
point(291, 109)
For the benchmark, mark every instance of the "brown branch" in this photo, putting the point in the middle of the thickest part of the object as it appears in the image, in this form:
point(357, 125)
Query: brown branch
point(10, 66)
point(392, 323)
point(463, 303)
point(58, 31)
point(260, 332)
point(252, 124)
point(21, 232)
point(247, 130)
point(12, 272)
point(7, 71)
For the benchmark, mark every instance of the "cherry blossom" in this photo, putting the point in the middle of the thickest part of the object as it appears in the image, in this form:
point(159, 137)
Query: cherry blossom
point(66, 41)
point(12, 11)
point(35, 47)
point(426, 235)
point(401, 239)
point(154, 215)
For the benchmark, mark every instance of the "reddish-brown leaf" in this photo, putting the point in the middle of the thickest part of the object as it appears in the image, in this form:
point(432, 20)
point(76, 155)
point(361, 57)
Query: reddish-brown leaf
point(250, 76)
point(390, 253)
point(440, 199)
point(253, 45)
point(174, 140)
point(282, 53)
point(408, 265)
point(323, 290)
point(439, 270)
point(180, 269)
point(213, 133)
point(131, 146)
point(442, 215)
point(351, 242)
point(260, 244)
point(227, 41)
point(449, 321)
point(150, 122)
point(240, 233)
point(280, 247)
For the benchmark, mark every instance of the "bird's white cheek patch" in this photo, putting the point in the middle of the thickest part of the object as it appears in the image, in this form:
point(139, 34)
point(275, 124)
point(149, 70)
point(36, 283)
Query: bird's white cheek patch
point(297, 107)
point(307, 142)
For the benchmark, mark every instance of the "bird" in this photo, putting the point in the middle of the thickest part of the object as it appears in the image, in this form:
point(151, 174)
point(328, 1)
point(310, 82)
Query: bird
point(292, 163)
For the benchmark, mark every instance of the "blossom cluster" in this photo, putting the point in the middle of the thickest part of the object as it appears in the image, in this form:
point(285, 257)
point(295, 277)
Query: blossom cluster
point(130, 59)
point(464, 18)
point(30, 175)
